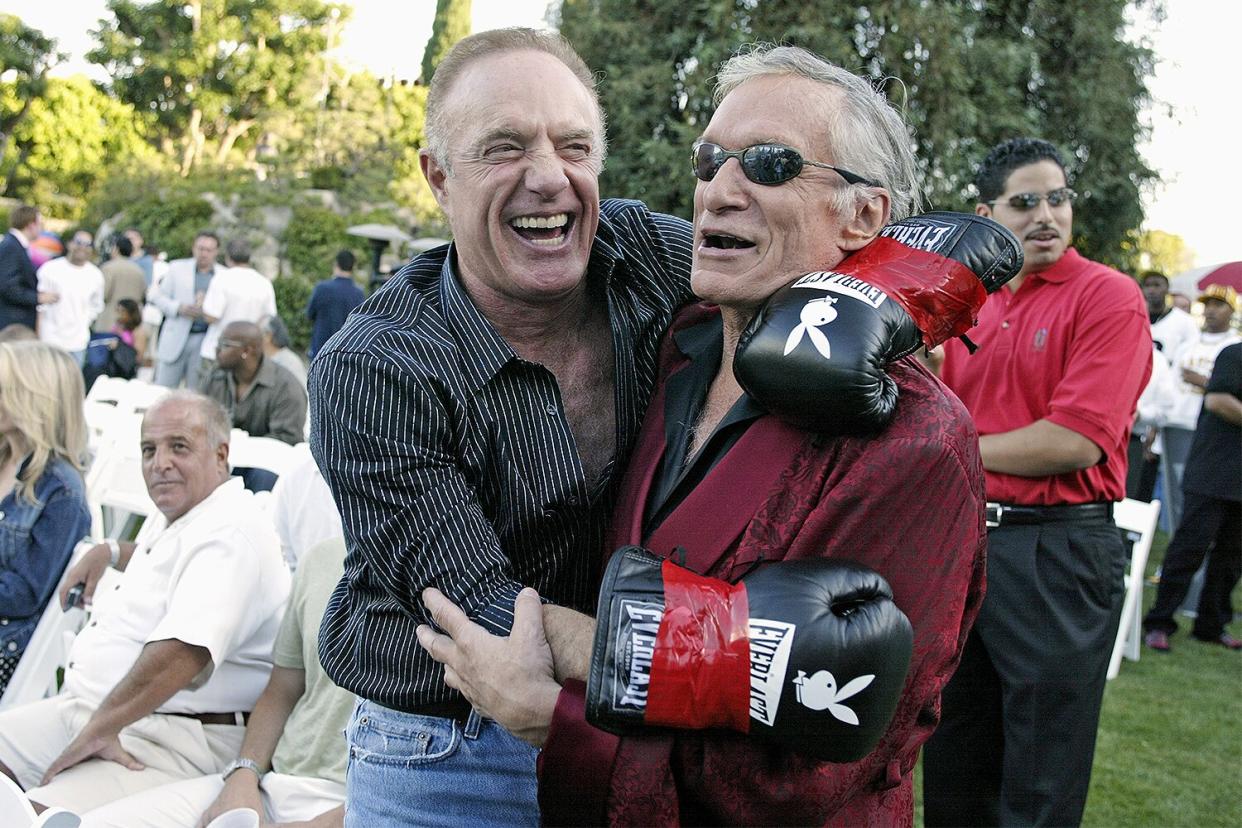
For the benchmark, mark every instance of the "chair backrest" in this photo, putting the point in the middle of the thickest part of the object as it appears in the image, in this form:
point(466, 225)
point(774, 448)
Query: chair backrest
point(261, 453)
point(15, 810)
point(1139, 520)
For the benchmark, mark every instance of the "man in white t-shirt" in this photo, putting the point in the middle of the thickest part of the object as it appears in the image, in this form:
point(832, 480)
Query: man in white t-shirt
point(1171, 327)
point(239, 293)
point(79, 284)
point(160, 682)
point(1192, 367)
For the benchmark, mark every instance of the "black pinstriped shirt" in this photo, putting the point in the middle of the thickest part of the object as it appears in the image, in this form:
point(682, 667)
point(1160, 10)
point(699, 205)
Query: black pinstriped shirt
point(452, 461)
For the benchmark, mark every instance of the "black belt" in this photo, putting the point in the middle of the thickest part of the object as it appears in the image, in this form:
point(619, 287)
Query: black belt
point(457, 709)
point(213, 718)
point(1009, 514)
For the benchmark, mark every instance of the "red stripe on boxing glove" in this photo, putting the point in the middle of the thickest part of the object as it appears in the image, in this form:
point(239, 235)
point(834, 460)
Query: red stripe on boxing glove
point(815, 354)
point(809, 654)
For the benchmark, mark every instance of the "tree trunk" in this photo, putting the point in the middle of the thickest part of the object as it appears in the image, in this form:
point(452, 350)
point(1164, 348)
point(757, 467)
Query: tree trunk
point(193, 142)
point(12, 177)
point(235, 130)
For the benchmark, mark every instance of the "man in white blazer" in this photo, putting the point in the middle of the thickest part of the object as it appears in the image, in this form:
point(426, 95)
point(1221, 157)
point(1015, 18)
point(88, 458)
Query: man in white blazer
point(179, 296)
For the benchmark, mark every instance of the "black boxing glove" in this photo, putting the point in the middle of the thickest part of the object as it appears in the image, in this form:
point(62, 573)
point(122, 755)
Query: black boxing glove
point(809, 654)
point(815, 353)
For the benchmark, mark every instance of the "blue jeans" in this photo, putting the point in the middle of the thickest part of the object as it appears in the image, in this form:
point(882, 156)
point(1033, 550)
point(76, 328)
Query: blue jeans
point(406, 769)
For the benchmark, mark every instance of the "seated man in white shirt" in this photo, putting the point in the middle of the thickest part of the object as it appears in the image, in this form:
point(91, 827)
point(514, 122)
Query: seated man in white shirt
point(291, 766)
point(159, 682)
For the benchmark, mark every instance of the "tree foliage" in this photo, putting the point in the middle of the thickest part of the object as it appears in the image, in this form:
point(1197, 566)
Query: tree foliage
point(1165, 252)
point(968, 73)
point(451, 24)
point(72, 136)
point(26, 55)
point(211, 71)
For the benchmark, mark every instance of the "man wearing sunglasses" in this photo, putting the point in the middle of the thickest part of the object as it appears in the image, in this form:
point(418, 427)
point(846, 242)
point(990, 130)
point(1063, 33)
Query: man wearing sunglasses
point(1064, 351)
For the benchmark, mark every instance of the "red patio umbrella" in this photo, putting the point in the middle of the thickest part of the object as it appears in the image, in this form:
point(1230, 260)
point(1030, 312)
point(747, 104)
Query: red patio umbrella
point(1228, 273)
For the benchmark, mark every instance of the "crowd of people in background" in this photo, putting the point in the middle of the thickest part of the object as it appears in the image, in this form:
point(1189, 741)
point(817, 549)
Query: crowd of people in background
point(139, 316)
point(470, 430)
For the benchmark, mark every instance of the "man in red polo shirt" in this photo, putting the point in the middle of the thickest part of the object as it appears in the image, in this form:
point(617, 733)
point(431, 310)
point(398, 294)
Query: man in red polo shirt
point(1064, 351)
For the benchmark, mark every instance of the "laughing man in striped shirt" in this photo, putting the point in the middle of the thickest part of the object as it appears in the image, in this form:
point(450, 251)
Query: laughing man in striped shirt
point(474, 416)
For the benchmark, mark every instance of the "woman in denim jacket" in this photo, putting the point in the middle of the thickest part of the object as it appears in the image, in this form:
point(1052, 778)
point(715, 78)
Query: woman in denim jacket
point(43, 511)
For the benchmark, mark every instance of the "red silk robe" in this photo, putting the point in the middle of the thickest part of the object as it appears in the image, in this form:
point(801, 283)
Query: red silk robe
point(907, 502)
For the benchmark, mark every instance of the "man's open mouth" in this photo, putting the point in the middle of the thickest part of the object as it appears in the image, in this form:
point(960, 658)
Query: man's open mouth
point(546, 231)
point(723, 241)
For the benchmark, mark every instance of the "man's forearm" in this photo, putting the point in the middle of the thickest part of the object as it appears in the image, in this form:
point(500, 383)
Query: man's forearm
point(1040, 449)
point(271, 712)
point(1226, 406)
point(571, 636)
point(162, 669)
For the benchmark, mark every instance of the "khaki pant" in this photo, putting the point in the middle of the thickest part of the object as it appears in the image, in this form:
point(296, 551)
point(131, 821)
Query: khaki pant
point(171, 748)
point(181, 804)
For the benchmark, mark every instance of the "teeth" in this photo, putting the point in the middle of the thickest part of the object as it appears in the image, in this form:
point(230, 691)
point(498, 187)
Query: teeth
point(540, 222)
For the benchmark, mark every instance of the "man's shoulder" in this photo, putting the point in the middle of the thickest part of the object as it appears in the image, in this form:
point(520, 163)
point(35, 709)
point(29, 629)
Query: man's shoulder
point(928, 414)
point(632, 220)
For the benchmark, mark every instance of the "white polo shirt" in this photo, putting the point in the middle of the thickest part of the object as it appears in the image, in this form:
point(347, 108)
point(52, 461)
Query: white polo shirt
point(215, 579)
point(302, 508)
point(66, 323)
point(236, 294)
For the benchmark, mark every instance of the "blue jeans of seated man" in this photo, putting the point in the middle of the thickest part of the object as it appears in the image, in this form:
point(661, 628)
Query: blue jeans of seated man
point(406, 769)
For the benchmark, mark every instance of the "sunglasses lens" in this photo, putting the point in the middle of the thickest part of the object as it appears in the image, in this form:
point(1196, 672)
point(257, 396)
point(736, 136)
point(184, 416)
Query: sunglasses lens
point(771, 164)
point(706, 159)
point(1058, 197)
point(1024, 201)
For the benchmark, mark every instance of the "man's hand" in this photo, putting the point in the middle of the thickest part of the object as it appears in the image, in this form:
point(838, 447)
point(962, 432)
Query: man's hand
point(1194, 378)
point(48, 297)
point(88, 570)
point(509, 680)
point(241, 790)
point(91, 746)
point(191, 311)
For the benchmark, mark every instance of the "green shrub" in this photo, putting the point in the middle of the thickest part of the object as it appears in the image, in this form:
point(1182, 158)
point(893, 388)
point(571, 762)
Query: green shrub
point(292, 293)
point(312, 239)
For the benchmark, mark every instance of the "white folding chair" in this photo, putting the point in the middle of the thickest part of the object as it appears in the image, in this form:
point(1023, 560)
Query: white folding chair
point(1139, 520)
point(114, 483)
point(261, 453)
point(16, 811)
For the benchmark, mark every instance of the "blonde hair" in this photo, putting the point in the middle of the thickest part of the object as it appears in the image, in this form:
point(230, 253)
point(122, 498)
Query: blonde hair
point(41, 393)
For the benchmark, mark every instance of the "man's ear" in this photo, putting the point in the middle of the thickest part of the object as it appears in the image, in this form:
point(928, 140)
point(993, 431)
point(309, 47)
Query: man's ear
point(436, 175)
point(983, 210)
point(869, 219)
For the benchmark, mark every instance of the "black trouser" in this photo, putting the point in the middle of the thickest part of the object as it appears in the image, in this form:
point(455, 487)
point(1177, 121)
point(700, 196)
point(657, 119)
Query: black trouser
point(1017, 734)
point(1141, 473)
point(1213, 527)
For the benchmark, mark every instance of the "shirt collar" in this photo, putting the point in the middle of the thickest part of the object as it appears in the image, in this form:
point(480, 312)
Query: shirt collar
point(21, 237)
point(229, 489)
point(487, 351)
point(703, 345)
point(1065, 268)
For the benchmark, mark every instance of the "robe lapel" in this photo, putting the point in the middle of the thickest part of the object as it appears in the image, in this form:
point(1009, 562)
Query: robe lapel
point(710, 520)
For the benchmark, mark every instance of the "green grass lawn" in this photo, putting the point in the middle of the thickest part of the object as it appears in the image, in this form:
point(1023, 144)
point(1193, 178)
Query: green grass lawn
point(1170, 741)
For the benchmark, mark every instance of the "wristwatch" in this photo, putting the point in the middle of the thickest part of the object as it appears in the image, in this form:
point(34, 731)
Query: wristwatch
point(239, 763)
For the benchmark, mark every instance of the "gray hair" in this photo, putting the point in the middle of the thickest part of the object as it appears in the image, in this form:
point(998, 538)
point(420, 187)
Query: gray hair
point(869, 135)
point(481, 45)
point(216, 421)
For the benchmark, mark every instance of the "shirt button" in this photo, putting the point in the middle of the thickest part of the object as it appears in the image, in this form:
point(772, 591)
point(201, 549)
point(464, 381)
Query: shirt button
point(4, 622)
point(1005, 325)
point(1, 515)
point(573, 501)
point(12, 646)
point(551, 409)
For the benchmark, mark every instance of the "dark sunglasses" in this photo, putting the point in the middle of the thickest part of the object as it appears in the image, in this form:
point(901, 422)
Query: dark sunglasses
point(1029, 201)
point(768, 164)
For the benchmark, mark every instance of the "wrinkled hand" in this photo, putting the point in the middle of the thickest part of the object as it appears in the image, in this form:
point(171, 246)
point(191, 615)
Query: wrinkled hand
point(241, 790)
point(88, 746)
point(509, 680)
point(88, 570)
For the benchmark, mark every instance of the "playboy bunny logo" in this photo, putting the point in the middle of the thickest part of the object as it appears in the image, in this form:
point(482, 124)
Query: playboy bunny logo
point(820, 691)
point(815, 313)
